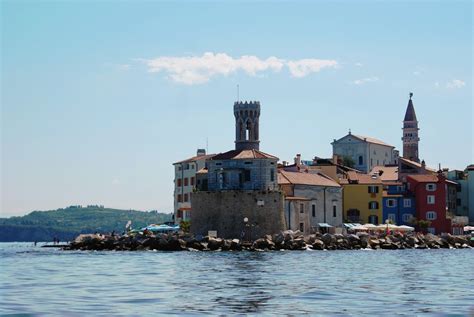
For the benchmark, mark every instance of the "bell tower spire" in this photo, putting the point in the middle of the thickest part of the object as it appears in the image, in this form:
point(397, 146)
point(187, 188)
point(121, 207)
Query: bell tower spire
point(410, 133)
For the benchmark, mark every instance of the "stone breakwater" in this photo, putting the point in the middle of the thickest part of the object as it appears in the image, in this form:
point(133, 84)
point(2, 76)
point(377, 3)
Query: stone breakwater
point(287, 240)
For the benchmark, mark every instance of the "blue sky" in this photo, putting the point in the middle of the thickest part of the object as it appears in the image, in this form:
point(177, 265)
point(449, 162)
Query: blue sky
point(99, 98)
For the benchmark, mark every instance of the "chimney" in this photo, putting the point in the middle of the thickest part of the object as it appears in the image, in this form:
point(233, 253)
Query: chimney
point(201, 152)
point(423, 164)
point(298, 159)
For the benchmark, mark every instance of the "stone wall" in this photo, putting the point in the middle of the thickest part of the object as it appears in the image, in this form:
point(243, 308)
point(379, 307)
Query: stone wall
point(225, 211)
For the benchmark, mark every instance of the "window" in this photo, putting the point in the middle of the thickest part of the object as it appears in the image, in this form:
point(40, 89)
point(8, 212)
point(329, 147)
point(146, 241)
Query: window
point(406, 202)
point(248, 163)
point(185, 197)
point(431, 215)
point(179, 167)
point(431, 187)
point(334, 211)
point(430, 199)
point(178, 183)
point(391, 203)
point(353, 215)
point(301, 227)
point(301, 208)
point(192, 181)
point(392, 218)
point(272, 175)
point(186, 181)
point(180, 198)
point(373, 205)
point(374, 219)
point(373, 189)
point(247, 175)
point(186, 167)
point(406, 217)
point(313, 210)
point(361, 160)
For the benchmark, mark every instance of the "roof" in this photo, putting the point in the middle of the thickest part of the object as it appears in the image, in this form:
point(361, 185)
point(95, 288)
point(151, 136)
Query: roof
point(242, 155)
point(416, 164)
point(361, 178)
point(298, 178)
point(410, 113)
point(371, 140)
point(451, 182)
point(296, 198)
point(196, 158)
point(470, 167)
point(424, 178)
point(386, 173)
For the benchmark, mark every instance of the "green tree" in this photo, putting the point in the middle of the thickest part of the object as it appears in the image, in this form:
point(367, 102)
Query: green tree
point(348, 161)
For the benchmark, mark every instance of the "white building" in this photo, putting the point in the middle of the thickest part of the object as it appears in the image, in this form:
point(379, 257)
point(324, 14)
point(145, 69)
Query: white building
point(312, 200)
point(185, 182)
point(365, 152)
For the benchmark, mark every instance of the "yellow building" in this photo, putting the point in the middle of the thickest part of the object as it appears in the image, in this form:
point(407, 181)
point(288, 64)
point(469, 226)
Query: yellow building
point(362, 198)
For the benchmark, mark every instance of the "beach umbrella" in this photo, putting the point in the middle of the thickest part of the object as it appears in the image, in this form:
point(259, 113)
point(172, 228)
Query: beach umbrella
point(406, 228)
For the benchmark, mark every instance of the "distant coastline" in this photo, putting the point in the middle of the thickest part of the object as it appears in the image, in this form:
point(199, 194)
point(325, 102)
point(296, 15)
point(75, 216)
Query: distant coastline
point(67, 223)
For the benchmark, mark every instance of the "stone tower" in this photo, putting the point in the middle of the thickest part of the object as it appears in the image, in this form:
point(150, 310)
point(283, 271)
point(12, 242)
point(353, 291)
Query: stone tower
point(246, 125)
point(410, 133)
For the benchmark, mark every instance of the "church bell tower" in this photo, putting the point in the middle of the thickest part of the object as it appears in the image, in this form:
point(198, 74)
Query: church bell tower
point(410, 133)
point(246, 115)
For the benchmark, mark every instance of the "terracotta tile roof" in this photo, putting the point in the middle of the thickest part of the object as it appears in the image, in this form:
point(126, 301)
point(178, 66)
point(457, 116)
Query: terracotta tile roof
point(389, 173)
point(360, 178)
point(242, 155)
point(296, 198)
point(196, 158)
point(416, 164)
point(371, 140)
point(298, 178)
point(424, 178)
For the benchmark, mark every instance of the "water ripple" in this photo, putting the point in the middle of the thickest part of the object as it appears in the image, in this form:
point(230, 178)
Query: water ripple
point(37, 281)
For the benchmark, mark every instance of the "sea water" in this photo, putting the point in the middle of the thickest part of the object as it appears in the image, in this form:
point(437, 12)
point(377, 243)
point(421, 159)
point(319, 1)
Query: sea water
point(40, 281)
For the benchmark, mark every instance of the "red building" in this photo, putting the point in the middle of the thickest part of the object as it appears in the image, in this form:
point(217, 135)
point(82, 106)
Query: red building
point(430, 199)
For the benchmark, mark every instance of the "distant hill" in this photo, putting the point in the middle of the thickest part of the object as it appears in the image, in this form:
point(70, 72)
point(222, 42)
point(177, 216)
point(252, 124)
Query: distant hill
point(67, 223)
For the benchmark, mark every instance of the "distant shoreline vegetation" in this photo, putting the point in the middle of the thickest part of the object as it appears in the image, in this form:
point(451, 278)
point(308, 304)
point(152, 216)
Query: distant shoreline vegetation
point(66, 223)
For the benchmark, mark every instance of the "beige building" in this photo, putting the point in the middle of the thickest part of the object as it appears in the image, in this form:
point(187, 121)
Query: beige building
point(185, 182)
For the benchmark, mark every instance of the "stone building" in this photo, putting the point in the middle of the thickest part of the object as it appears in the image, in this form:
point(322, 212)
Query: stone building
point(241, 185)
point(185, 182)
point(364, 151)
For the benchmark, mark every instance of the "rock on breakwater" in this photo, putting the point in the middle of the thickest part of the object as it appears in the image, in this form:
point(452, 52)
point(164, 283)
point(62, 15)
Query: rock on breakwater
point(286, 240)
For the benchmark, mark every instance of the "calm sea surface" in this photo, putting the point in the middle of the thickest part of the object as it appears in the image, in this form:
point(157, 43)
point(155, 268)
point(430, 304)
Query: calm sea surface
point(39, 281)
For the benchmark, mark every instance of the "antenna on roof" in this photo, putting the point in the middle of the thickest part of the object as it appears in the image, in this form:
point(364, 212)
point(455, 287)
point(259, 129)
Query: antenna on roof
point(349, 130)
point(411, 95)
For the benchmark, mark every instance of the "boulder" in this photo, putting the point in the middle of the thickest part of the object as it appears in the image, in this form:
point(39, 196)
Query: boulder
point(318, 244)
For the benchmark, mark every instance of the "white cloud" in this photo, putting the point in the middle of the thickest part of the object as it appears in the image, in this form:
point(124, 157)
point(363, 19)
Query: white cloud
point(363, 81)
point(436, 84)
point(200, 69)
point(359, 64)
point(455, 83)
point(417, 73)
point(304, 67)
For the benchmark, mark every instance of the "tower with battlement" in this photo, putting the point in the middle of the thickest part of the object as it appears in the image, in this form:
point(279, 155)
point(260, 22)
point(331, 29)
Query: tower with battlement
point(410, 133)
point(247, 116)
